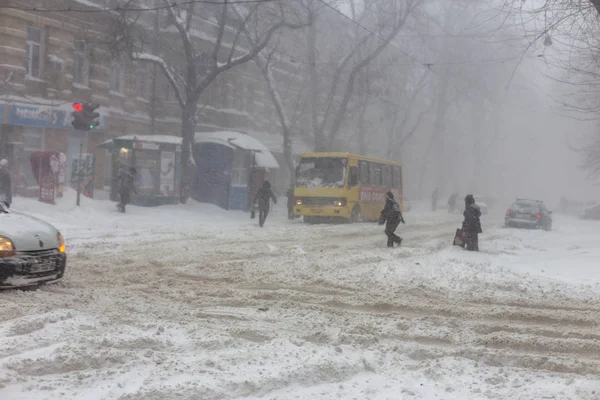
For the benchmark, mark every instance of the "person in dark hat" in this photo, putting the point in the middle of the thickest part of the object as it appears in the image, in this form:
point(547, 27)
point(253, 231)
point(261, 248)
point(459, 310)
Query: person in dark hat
point(391, 216)
point(126, 185)
point(264, 197)
point(471, 226)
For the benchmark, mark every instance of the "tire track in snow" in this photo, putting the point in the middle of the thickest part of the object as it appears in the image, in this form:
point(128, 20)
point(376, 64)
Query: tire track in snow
point(227, 299)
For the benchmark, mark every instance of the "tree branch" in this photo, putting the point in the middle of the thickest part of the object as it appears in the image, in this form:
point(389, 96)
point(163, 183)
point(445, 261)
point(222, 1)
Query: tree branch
point(160, 62)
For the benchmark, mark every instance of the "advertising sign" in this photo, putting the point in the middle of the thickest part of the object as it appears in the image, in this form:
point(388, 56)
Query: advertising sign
point(42, 116)
point(88, 170)
point(47, 186)
point(369, 194)
point(167, 172)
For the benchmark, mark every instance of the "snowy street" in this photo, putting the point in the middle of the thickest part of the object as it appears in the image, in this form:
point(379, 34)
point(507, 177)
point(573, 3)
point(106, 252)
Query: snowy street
point(192, 302)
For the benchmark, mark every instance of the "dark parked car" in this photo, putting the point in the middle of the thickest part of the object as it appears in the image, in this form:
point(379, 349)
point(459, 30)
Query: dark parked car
point(525, 213)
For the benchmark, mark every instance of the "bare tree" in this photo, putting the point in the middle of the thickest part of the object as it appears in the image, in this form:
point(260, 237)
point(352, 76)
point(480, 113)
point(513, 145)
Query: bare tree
point(330, 100)
point(197, 64)
point(568, 33)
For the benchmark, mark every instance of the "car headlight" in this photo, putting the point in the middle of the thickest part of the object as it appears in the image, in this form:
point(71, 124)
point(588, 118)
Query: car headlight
point(7, 248)
point(61, 243)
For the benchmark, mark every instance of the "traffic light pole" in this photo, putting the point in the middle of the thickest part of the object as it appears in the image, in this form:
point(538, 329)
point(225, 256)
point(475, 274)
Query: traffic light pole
point(80, 172)
point(85, 118)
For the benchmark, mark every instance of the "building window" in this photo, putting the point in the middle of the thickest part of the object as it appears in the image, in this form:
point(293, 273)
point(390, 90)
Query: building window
point(81, 63)
point(117, 74)
point(238, 99)
point(248, 100)
point(34, 51)
point(169, 92)
point(142, 82)
point(224, 93)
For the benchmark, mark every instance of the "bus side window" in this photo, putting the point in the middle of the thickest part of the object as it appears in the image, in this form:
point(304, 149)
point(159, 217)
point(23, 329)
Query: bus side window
point(364, 172)
point(375, 174)
point(353, 179)
point(397, 177)
point(387, 176)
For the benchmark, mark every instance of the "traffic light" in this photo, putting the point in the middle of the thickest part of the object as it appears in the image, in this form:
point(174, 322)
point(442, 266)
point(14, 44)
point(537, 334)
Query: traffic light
point(85, 117)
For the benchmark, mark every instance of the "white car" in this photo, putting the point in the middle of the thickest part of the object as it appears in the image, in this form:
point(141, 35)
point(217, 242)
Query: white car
point(32, 252)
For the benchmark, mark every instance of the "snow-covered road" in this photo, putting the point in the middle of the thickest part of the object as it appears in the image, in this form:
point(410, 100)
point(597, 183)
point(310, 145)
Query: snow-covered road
point(196, 303)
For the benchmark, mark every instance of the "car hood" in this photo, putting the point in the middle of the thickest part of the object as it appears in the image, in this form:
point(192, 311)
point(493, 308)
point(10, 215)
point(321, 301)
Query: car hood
point(28, 233)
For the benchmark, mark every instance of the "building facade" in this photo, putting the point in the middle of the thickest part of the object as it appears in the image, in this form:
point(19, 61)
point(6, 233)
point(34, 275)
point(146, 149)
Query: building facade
point(50, 60)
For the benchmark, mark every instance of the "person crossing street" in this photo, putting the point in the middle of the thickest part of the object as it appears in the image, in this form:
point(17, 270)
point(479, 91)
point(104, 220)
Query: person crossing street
point(391, 216)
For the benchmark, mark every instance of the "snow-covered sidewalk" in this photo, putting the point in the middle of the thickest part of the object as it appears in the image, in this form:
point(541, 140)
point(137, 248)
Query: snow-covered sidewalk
point(192, 302)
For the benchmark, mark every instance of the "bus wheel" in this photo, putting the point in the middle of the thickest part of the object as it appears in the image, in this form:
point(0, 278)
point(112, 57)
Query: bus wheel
point(355, 216)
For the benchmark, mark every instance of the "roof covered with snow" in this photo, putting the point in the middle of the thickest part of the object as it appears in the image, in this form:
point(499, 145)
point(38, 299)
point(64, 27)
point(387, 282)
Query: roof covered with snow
point(262, 155)
point(158, 139)
point(152, 138)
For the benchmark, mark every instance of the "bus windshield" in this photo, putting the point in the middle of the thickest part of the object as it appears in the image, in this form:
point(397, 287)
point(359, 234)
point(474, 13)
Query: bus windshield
point(322, 172)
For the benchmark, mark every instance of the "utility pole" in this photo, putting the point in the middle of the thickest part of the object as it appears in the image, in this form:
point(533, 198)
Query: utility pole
point(85, 118)
point(80, 172)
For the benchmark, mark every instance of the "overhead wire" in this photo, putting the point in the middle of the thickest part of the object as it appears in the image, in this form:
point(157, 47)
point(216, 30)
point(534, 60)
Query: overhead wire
point(139, 9)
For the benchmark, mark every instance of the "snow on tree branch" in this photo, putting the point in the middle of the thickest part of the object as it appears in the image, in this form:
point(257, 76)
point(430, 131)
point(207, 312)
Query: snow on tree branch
point(151, 58)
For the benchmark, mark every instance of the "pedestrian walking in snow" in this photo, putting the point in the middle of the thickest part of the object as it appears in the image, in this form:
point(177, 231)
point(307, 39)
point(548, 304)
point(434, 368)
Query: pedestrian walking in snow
point(434, 199)
point(263, 197)
point(5, 184)
point(391, 216)
point(126, 185)
point(471, 226)
point(452, 202)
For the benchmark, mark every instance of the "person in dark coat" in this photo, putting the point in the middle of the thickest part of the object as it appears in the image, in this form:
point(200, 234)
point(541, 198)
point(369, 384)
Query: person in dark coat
point(290, 203)
point(264, 197)
point(471, 226)
point(452, 202)
point(126, 185)
point(391, 216)
point(5, 184)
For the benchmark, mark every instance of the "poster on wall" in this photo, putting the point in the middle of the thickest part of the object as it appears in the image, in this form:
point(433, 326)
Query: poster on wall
point(58, 163)
point(88, 171)
point(167, 173)
point(47, 186)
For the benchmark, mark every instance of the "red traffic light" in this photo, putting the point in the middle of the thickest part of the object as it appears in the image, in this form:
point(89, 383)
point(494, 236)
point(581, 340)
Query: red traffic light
point(77, 107)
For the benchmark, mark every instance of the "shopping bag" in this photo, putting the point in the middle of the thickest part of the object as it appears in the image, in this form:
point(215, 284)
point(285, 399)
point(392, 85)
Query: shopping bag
point(459, 238)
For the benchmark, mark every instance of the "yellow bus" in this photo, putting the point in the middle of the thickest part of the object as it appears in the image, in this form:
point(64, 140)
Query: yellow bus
point(345, 186)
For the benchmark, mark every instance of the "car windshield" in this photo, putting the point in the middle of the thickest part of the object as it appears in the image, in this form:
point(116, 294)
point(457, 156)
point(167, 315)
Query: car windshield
point(321, 172)
point(525, 207)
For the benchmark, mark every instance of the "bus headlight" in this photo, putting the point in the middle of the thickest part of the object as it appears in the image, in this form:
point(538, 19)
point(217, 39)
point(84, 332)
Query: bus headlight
point(339, 202)
point(299, 202)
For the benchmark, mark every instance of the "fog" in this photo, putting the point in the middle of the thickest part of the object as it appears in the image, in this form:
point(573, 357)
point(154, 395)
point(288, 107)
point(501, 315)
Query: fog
point(505, 134)
point(463, 95)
